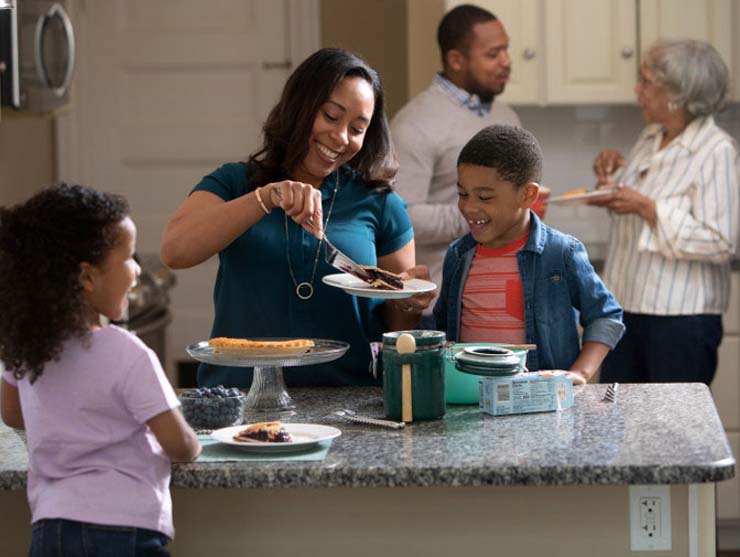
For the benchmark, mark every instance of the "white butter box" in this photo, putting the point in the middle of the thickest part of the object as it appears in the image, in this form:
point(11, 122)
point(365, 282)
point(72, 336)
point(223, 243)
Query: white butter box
point(526, 392)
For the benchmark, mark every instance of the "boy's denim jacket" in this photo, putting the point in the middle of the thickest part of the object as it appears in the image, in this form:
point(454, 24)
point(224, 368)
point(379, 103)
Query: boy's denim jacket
point(558, 282)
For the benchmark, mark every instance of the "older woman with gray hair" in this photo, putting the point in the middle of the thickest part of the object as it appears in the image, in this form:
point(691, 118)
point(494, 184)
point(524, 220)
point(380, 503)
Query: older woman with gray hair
point(674, 222)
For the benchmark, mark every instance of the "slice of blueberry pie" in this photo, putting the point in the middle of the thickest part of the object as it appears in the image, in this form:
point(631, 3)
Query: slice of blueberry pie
point(265, 432)
point(380, 278)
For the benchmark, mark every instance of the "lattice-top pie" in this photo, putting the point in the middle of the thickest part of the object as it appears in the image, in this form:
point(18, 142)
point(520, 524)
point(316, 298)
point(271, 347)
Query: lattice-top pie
point(266, 432)
point(380, 278)
point(292, 346)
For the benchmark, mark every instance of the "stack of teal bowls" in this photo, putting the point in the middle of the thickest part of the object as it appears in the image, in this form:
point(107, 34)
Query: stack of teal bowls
point(462, 387)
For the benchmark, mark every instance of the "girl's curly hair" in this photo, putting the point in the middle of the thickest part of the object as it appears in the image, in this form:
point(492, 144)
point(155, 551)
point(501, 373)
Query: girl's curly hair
point(42, 244)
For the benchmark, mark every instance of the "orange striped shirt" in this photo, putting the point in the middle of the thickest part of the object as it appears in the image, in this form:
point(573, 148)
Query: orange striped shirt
point(493, 300)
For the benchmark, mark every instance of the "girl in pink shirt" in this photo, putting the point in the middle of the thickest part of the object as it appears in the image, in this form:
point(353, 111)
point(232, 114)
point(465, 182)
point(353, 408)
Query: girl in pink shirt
point(101, 418)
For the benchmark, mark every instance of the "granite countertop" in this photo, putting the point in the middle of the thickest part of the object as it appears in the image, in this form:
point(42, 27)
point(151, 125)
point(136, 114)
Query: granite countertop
point(654, 434)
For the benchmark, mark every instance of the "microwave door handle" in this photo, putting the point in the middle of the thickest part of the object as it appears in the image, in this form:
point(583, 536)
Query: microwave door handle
point(70, 36)
point(56, 10)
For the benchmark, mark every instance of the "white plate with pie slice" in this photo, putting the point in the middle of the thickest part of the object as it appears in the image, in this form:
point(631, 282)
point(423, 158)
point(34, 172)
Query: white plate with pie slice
point(358, 287)
point(305, 437)
point(573, 199)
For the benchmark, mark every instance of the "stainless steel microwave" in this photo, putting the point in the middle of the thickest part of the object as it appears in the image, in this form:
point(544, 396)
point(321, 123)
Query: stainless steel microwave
point(37, 55)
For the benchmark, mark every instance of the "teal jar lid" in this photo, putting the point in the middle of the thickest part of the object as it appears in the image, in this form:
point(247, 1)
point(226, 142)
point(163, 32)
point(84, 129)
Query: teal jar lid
point(429, 339)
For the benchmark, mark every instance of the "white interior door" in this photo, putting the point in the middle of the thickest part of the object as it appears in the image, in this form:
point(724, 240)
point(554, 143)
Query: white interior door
point(165, 92)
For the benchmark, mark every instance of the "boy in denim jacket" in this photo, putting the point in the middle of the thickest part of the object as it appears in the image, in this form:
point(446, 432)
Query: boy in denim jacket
point(513, 279)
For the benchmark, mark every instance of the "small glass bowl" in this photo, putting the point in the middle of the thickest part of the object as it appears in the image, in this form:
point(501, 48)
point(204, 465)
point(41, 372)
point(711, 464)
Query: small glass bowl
point(213, 412)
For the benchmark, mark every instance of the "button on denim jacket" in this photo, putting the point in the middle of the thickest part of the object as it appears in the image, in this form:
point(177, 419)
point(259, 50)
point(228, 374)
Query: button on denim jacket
point(560, 289)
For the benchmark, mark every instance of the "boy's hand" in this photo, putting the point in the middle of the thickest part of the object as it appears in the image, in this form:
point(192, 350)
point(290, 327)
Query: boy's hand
point(578, 377)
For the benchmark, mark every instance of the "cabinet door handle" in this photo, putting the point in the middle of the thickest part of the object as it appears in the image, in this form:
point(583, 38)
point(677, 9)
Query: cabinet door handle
point(627, 52)
point(529, 53)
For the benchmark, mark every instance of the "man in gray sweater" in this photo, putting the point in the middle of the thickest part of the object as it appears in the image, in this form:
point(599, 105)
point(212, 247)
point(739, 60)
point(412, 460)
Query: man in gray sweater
point(432, 128)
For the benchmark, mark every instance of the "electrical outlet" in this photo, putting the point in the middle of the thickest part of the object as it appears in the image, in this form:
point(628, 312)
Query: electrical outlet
point(650, 517)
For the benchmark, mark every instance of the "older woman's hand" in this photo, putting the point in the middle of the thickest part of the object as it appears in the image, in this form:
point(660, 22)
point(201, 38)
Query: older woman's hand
point(626, 200)
point(301, 202)
point(606, 163)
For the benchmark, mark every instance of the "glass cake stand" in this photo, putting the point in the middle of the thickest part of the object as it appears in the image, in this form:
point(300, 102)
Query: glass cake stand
point(267, 397)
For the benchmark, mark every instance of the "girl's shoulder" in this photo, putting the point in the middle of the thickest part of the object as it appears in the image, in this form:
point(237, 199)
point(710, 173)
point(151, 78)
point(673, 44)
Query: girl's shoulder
point(114, 335)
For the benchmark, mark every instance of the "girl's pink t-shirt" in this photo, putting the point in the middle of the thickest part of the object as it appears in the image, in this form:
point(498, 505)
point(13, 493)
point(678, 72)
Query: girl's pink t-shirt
point(92, 457)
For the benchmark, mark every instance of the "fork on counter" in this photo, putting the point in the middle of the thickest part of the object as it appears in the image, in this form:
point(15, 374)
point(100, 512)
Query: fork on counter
point(611, 392)
point(354, 417)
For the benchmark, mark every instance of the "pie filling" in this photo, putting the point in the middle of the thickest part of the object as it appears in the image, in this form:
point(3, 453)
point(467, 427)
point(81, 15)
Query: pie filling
point(380, 278)
point(267, 432)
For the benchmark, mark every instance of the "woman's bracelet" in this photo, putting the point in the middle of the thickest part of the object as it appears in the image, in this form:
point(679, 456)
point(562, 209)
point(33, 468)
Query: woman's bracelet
point(259, 200)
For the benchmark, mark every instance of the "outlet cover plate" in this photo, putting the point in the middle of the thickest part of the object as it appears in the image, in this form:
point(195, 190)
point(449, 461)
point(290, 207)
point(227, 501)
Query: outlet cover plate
point(650, 518)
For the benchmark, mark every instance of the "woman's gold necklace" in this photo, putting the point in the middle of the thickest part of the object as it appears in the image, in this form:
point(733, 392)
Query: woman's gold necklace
point(304, 290)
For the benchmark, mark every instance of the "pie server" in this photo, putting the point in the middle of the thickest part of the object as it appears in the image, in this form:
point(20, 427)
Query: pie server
point(335, 257)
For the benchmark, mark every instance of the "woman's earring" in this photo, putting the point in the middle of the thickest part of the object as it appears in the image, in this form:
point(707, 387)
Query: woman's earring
point(672, 106)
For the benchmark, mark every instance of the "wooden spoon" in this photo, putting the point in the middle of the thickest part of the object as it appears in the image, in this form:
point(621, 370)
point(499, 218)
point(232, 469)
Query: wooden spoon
point(406, 344)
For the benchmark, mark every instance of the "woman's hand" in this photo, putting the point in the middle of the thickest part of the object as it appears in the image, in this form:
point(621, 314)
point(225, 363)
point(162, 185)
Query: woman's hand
point(626, 200)
point(606, 163)
point(301, 202)
point(417, 303)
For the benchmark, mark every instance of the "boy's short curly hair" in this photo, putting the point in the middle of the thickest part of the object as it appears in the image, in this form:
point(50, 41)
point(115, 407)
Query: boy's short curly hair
point(513, 152)
point(42, 244)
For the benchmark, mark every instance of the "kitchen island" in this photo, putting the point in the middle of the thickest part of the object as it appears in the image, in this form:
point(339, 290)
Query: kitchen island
point(552, 483)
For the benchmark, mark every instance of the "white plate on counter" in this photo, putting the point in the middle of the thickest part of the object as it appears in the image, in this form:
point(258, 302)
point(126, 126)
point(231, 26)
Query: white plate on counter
point(305, 437)
point(358, 287)
point(581, 197)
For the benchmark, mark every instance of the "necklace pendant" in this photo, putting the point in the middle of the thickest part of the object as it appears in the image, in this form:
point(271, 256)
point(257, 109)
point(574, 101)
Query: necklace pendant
point(304, 290)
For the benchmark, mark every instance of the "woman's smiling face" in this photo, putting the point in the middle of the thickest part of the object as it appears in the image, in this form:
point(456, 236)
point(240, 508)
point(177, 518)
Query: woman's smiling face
point(339, 130)
point(497, 211)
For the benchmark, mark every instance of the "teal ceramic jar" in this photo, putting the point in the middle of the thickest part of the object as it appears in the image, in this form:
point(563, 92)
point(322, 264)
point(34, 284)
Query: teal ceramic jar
point(427, 375)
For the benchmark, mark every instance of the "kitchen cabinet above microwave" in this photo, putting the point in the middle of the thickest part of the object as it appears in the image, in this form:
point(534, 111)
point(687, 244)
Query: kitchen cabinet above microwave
point(588, 51)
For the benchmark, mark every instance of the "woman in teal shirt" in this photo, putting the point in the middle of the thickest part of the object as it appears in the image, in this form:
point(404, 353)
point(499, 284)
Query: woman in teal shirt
point(328, 151)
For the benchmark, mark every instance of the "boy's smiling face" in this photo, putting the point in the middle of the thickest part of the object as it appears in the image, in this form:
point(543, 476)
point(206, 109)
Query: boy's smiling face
point(497, 211)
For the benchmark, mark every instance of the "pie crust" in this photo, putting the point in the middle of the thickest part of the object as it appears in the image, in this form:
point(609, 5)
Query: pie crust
point(243, 345)
point(264, 432)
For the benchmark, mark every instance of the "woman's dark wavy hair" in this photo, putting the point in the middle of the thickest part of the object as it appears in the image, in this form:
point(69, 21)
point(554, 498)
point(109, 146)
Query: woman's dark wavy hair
point(42, 244)
point(290, 122)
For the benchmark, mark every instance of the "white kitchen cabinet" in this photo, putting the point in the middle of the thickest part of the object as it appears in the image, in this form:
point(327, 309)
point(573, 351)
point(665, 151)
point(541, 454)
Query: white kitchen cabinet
point(568, 51)
point(709, 20)
point(591, 51)
point(588, 51)
point(523, 23)
point(726, 390)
